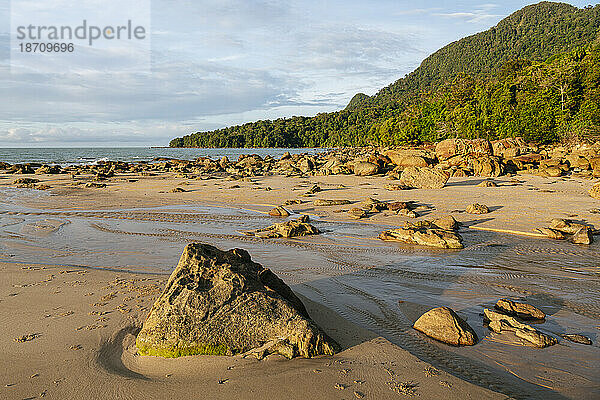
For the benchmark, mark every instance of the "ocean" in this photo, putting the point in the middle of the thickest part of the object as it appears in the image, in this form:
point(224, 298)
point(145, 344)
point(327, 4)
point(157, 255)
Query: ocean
point(91, 155)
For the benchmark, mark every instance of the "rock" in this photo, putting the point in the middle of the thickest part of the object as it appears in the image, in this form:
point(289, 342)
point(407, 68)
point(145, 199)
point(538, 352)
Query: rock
point(521, 310)
point(487, 166)
point(452, 147)
point(553, 172)
point(325, 202)
point(582, 236)
point(552, 233)
point(424, 233)
point(47, 169)
point(224, 162)
point(95, 185)
point(448, 223)
point(288, 229)
point(292, 202)
point(445, 325)
point(406, 158)
point(305, 165)
point(373, 205)
point(424, 178)
point(314, 189)
point(365, 169)
point(488, 184)
point(398, 205)
point(179, 190)
point(500, 323)
point(573, 337)
point(357, 213)
point(279, 212)
point(510, 147)
point(286, 156)
point(477, 209)
point(222, 303)
point(25, 181)
point(565, 226)
point(407, 213)
point(595, 191)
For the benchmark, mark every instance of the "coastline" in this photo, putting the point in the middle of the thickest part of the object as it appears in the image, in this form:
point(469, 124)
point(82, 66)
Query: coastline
point(369, 358)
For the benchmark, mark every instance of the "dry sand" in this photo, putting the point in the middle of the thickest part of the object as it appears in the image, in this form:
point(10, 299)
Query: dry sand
point(82, 322)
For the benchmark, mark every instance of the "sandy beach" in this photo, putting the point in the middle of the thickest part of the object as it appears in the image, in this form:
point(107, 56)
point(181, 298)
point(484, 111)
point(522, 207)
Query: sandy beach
point(82, 266)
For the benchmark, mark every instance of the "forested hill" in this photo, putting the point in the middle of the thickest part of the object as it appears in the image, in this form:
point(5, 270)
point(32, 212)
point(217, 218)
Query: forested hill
point(459, 90)
point(533, 33)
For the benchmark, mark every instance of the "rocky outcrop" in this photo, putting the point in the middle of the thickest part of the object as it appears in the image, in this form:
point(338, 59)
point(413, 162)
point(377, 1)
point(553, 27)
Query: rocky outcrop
point(503, 323)
point(521, 310)
point(424, 178)
point(456, 147)
point(424, 233)
point(294, 228)
point(222, 303)
point(445, 325)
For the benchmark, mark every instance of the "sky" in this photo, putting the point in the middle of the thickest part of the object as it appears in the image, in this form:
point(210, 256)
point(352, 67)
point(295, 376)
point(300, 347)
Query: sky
point(215, 63)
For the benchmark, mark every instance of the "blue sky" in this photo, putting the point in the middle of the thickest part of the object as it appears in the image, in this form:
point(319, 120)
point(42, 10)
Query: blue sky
point(222, 62)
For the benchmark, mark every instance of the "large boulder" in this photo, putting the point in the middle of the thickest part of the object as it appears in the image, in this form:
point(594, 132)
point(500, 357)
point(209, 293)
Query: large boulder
point(453, 147)
point(222, 303)
point(407, 158)
point(365, 169)
point(445, 325)
point(424, 178)
point(487, 166)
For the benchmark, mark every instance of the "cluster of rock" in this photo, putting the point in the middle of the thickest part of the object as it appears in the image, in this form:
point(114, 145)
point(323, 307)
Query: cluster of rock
point(288, 229)
point(440, 233)
point(561, 229)
point(425, 167)
point(372, 206)
point(445, 325)
point(222, 303)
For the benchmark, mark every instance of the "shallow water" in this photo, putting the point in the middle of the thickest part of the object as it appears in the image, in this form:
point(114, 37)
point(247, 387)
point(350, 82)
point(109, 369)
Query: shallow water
point(381, 286)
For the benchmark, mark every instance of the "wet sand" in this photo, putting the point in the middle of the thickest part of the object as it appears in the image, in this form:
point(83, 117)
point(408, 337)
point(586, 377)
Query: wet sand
point(83, 266)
